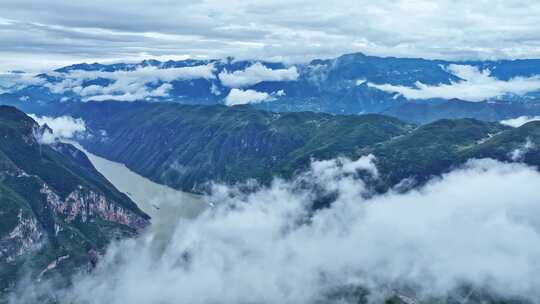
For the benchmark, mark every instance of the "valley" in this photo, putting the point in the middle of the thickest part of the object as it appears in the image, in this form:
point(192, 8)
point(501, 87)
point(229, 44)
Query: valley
point(189, 147)
point(269, 152)
point(177, 161)
point(154, 199)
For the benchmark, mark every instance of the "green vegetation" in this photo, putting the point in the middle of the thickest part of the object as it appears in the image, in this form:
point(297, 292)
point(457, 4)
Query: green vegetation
point(39, 221)
point(186, 146)
point(438, 147)
point(430, 149)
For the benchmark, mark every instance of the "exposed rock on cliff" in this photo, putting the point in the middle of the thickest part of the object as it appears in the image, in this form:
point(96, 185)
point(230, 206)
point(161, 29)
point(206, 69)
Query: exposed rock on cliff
point(57, 213)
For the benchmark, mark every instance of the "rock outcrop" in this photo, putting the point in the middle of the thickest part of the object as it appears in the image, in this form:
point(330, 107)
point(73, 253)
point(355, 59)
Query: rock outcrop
point(57, 213)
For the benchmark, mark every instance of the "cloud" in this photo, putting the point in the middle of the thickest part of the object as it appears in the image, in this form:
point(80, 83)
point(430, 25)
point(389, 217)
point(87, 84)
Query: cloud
point(63, 127)
point(519, 121)
point(127, 85)
point(148, 74)
point(57, 34)
point(477, 85)
point(240, 97)
point(256, 73)
point(16, 80)
point(130, 94)
point(519, 153)
point(361, 81)
point(269, 247)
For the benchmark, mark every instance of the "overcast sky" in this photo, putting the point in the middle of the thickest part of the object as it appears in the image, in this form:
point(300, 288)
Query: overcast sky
point(36, 34)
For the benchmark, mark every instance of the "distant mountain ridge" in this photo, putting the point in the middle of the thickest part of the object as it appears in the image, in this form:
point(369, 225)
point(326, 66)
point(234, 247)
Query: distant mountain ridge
point(426, 112)
point(349, 84)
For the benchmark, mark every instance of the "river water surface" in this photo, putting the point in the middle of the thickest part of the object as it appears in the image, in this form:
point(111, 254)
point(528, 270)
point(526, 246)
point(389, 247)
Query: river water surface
point(165, 205)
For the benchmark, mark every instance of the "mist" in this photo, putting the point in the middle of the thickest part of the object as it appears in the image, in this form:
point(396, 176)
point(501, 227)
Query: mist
point(63, 127)
point(475, 85)
point(478, 226)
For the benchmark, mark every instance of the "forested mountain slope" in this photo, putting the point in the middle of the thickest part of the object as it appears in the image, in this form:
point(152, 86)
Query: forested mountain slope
point(187, 146)
point(57, 213)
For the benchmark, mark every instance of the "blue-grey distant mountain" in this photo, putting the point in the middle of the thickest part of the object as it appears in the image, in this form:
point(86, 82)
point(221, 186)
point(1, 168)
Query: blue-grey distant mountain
point(425, 112)
point(349, 84)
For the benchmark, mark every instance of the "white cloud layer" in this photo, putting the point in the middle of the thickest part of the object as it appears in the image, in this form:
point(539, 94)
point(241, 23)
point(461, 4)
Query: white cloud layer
point(256, 73)
point(519, 121)
point(476, 85)
point(13, 81)
point(519, 153)
point(127, 85)
point(63, 127)
point(477, 225)
point(240, 97)
point(129, 93)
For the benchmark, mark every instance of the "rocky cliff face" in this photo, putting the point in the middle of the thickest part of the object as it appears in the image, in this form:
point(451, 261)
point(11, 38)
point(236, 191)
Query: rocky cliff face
point(24, 237)
point(85, 204)
point(57, 213)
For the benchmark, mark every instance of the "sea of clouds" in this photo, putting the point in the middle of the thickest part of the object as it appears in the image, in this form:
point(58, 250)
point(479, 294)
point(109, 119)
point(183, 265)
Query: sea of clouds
point(476, 226)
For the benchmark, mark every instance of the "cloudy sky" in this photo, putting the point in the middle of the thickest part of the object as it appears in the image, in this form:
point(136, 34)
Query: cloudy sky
point(37, 34)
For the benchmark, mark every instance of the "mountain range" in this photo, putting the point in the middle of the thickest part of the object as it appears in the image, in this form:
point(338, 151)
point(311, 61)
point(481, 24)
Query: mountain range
point(193, 123)
point(189, 146)
point(414, 90)
point(62, 213)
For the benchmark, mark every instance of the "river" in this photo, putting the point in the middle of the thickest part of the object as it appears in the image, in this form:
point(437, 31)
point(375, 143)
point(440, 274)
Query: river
point(165, 205)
